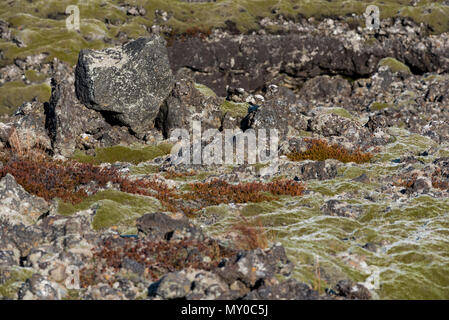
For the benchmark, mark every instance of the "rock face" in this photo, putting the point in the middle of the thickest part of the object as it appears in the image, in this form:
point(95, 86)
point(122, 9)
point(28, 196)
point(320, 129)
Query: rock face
point(189, 102)
point(127, 84)
point(160, 225)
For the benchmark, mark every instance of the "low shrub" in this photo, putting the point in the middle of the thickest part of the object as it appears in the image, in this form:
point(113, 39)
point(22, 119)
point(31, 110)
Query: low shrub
point(320, 150)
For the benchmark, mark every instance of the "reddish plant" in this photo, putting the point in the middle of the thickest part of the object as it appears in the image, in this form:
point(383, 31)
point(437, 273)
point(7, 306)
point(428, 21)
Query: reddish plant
point(320, 150)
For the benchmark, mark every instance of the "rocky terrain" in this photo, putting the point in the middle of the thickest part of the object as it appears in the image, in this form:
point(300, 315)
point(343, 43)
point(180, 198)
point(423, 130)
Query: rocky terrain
point(94, 205)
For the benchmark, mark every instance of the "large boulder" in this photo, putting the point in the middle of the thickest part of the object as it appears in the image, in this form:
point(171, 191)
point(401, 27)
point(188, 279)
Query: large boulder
point(128, 83)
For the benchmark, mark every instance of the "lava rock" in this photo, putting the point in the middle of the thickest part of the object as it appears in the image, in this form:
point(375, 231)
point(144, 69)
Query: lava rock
point(160, 225)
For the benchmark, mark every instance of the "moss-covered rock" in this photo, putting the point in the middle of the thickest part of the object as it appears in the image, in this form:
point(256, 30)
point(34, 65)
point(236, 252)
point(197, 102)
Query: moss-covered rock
point(394, 65)
point(113, 208)
point(123, 154)
point(234, 109)
point(377, 106)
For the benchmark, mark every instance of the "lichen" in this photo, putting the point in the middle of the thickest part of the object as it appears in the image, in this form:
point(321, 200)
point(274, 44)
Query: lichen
point(234, 109)
point(13, 94)
point(113, 208)
point(10, 287)
point(377, 106)
point(208, 92)
point(394, 65)
point(119, 153)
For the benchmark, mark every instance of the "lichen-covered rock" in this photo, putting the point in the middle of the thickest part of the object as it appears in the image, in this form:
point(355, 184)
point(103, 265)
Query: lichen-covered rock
point(39, 288)
point(189, 284)
point(341, 209)
point(71, 125)
point(351, 290)
point(17, 205)
point(307, 170)
point(281, 111)
point(325, 88)
point(249, 267)
point(127, 83)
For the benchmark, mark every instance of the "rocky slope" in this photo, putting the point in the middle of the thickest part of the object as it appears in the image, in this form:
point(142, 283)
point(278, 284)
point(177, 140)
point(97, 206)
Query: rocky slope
point(93, 205)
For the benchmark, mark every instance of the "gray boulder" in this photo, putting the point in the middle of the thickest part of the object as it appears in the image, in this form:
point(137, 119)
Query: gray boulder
point(127, 84)
point(17, 205)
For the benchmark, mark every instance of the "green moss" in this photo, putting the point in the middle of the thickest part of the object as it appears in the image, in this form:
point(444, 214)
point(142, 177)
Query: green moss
point(123, 154)
point(394, 65)
point(237, 110)
point(377, 106)
point(35, 76)
point(14, 94)
point(205, 90)
point(371, 41)
point(17, 276)
point(340, 112)
point(252, 209)
point(115, 208)
point(145, 169)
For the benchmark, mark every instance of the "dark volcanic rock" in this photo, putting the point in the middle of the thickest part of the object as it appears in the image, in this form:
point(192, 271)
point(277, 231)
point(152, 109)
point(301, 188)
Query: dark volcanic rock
point(160, 225)
point(127, 83)
point(350, 290)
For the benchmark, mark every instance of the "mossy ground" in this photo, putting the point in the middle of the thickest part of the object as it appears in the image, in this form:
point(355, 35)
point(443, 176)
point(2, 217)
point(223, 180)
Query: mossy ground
point(123, 154)
point(115, 208)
